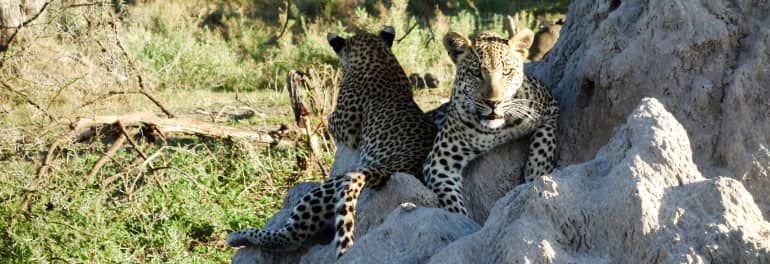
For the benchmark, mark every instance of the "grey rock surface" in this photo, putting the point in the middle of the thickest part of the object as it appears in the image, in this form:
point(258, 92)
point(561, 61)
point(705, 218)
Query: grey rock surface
point(640, 200)
point(489, 177)
point(409, 234)
point(706, 60)
point(373, 207)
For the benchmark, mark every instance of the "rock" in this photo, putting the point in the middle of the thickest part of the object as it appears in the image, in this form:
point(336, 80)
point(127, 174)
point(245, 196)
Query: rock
point(406, 236)
point(640, 200)
point(409, 234)
point(373, 207)
point(706, 60)
point(489, 177)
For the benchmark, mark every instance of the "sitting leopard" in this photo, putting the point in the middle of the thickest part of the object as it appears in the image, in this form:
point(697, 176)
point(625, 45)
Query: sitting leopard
point(376, 115)
point(492, 102)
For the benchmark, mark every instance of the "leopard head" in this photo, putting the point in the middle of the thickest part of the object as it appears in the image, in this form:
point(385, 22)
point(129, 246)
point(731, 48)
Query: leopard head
point(490, 70)
point(363, 49)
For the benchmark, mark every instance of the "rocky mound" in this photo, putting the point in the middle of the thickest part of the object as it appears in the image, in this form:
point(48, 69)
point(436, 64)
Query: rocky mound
point(641, 199)
point(683, 177)
point(705, 60)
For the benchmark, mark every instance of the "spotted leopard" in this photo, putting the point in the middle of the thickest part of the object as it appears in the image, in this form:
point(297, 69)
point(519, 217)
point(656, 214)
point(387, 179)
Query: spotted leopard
point(375, 115)
point(493, 101)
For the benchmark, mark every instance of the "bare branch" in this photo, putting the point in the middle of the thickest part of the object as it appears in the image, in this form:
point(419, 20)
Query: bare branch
point(132, 65)
point(407, 32)
point(130, 138)
point(286, 8)
point(85, 5)
point(29, 100)
point(510, 25)
point(106, 157)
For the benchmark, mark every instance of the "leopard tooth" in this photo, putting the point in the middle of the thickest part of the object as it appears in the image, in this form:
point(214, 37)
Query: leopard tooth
point(494, 123)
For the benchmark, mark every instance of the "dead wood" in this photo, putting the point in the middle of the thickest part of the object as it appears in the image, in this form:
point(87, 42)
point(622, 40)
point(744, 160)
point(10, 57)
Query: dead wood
point(510, 25)
point(130, 138)
point(86, 128)
point(302, 117)
point(106, 157)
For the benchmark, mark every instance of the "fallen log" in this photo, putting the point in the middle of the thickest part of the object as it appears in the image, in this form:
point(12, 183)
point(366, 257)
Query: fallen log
point(85, 128)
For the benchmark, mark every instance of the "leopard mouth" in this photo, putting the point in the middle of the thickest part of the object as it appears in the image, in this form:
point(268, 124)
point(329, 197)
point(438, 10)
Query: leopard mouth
point(492, 116)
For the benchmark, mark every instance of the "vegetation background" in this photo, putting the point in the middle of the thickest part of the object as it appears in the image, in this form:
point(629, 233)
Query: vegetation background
point(201, 59)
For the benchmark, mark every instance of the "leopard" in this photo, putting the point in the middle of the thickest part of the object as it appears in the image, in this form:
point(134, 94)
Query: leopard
point(493, 101)
point(377, 117)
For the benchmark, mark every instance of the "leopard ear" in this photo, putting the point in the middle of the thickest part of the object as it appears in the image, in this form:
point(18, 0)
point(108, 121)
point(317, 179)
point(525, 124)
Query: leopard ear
point(456, 45)
point(336, 42)
point(388, 34)
point(521, 42)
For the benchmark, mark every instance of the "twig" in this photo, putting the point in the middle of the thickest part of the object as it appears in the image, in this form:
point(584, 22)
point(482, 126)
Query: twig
point(407, 32)
point(142, 92)
point(152, 157)
point(104, 96)
point(107, 156)
point(41, 172)
point(286, 7)
point(130, 138)
point(29, 101)
point(510, 25)
point(149, 96)
point(48, 157)
point(132, 65)
point(134, 162)
point(84, 5)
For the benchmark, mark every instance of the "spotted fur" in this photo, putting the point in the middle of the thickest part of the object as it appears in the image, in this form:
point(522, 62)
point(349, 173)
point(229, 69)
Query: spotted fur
point(376, 115)
point(493, 101)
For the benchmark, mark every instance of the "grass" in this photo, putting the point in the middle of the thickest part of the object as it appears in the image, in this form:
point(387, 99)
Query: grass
point(194, 56)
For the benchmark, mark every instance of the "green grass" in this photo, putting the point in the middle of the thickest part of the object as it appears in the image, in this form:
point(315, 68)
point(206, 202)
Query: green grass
point(193, 197)
point(196, 57)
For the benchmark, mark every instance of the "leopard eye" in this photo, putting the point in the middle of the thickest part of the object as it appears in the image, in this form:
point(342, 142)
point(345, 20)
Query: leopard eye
point(507, 71)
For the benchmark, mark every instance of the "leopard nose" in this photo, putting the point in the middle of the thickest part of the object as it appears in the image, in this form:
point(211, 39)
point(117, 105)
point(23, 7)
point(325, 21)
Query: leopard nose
point(492, 103)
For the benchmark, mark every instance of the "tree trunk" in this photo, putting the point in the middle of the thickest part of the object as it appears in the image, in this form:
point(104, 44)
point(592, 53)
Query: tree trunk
point(13, 14)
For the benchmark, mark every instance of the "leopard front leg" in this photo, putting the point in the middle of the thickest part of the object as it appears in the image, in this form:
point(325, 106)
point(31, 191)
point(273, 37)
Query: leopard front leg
point(313, 213)
point(442, 171)
point(542, 151)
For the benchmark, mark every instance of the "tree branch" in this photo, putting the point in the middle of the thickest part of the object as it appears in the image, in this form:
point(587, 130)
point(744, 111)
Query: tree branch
point(29, 101)
point(132, 65)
